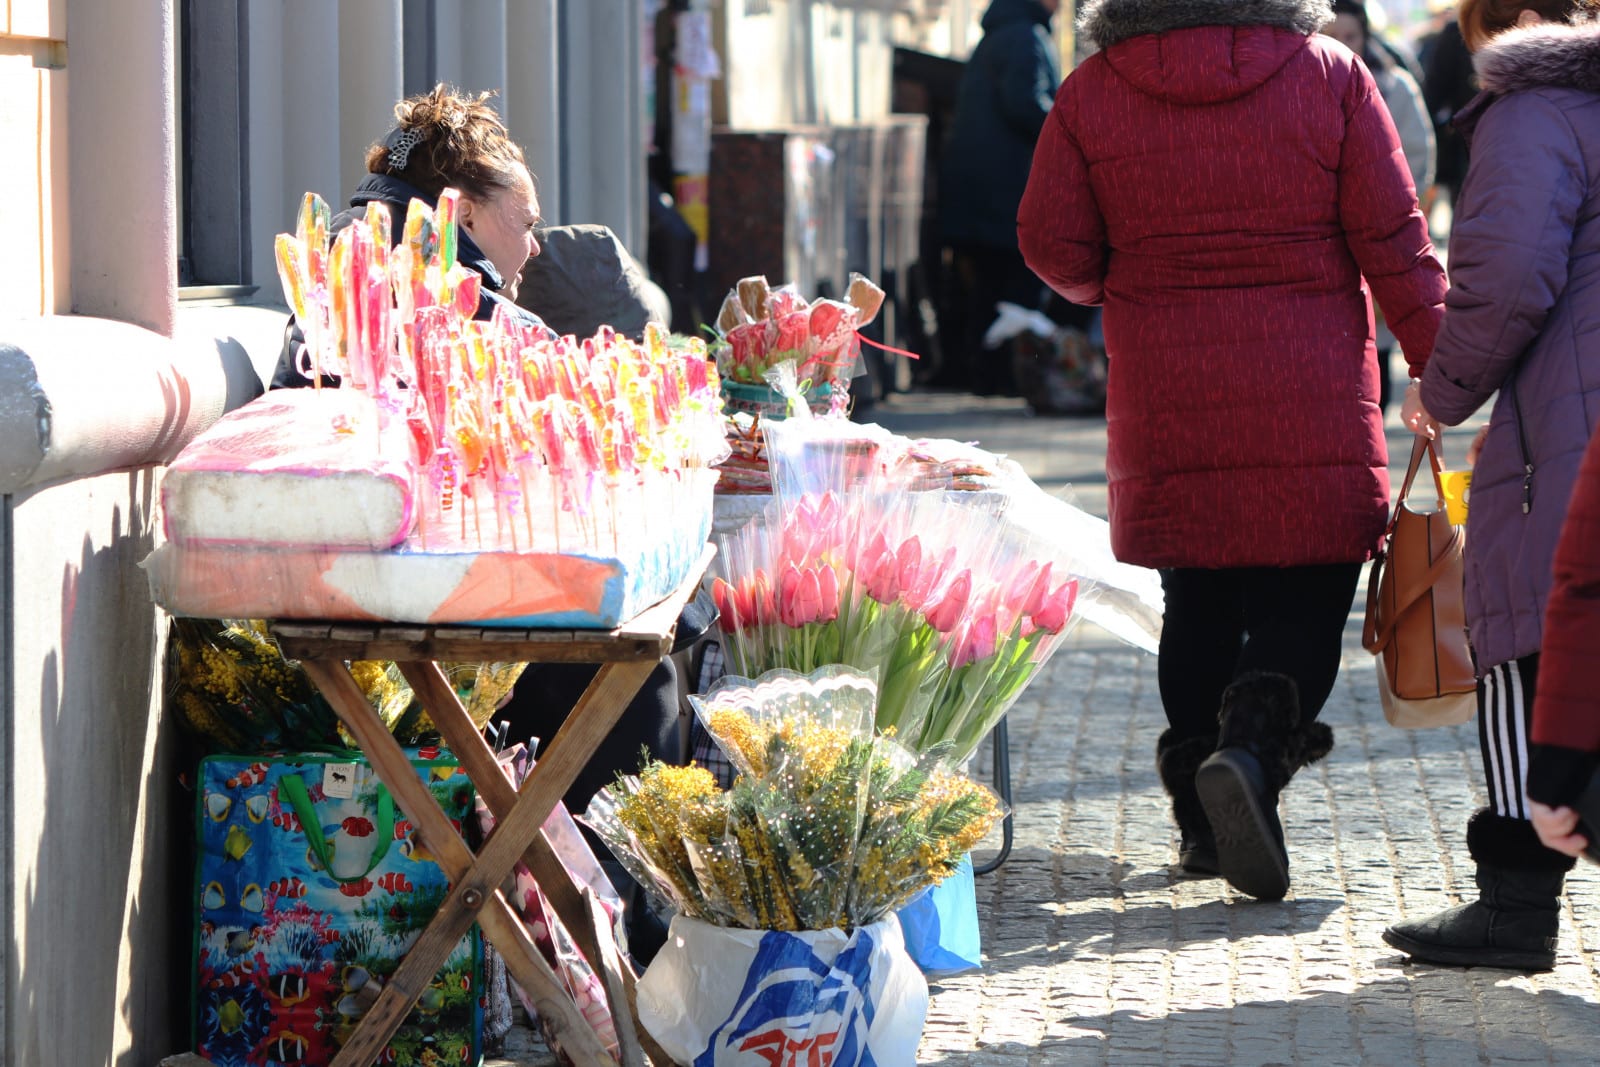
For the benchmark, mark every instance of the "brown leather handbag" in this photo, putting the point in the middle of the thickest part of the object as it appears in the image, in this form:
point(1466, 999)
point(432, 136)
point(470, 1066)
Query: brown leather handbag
point(1416, 621)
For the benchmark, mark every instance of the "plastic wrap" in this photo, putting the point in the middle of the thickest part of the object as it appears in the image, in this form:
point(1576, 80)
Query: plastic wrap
point(955, 606)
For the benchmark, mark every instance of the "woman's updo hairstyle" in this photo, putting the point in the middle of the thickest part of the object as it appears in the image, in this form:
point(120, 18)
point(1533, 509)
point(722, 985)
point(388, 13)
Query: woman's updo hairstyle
point(445, 138)
point(1483, 19)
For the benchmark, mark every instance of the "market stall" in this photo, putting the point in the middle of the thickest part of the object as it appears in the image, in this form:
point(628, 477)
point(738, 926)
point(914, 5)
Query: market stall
point(478, 496)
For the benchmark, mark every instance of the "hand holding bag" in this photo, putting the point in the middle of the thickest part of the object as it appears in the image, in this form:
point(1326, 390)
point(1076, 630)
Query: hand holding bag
point(1416, 615)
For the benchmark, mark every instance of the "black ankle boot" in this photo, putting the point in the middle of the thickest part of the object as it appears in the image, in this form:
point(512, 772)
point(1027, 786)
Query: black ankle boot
point(1515, 920)
point(1261, 744)
point(1177, 759)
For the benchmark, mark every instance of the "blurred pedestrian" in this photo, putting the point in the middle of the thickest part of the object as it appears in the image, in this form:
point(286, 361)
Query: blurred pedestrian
point(1221, 180)
point(1522, 319)
point(1448, 85)
point(1401, 94)
point(1006, 92)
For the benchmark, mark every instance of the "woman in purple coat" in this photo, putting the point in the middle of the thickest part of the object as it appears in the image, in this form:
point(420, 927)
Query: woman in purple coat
point(1522, 318)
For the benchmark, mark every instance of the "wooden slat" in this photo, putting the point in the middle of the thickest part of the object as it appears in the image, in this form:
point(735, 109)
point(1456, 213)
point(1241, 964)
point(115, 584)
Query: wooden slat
point(594, 939)
point(473, 897)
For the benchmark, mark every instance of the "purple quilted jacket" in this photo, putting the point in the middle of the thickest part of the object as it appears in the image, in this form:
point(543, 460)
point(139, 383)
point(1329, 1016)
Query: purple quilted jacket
point(1523, 317)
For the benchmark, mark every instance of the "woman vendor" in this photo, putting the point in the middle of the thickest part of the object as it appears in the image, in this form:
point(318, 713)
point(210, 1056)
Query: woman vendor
point(445, 139)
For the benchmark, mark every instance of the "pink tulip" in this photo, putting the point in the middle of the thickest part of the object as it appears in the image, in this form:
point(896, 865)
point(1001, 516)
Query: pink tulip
point(860, 552)
point(974, 641)
point(807, 604)
point(762, 611)
point(944, 615)
point(908, 559)
point(727, 606)
point(918, 592)
point(880, 574)
point(828, 587)
point(1034, 599)
point(1057, 609)
point(788, 595)
point(1021, 585)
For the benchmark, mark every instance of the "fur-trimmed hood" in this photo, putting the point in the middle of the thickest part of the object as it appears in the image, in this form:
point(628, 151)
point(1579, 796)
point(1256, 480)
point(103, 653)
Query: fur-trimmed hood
point(1106, 22)
point(1541, 56)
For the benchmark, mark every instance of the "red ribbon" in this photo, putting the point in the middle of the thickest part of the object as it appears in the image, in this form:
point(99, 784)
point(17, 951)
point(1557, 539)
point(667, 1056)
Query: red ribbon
point(887, 348)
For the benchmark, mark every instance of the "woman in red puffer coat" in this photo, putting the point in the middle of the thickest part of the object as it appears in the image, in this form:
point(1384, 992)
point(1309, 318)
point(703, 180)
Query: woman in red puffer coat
point(1221, 180)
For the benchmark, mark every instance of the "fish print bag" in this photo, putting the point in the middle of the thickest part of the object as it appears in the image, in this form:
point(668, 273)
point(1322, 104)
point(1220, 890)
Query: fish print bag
point(311, 886)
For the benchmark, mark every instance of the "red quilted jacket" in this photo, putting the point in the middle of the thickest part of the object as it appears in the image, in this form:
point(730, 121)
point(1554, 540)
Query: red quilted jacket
point(1222, 190)
point(1566, 708)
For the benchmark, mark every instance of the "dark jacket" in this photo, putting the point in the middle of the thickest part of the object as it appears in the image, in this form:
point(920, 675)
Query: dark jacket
point(398, 196)
point(1523, 317)
point(1005, 95)
point(1221, 181)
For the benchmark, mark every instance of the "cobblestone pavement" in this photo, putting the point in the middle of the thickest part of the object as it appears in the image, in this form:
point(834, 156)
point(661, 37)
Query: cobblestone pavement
point(1096, 955)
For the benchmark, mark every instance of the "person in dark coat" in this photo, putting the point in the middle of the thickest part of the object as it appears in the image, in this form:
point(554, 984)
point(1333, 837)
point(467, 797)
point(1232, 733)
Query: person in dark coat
point(1566, 713)
point(1006, 92)
point(1448, 85)
point(1221, 181)
point(1522, 319)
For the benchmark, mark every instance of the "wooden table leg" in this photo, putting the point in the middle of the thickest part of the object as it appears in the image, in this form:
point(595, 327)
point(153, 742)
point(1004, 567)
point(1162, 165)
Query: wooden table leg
point(474, 897)
point(593, 938)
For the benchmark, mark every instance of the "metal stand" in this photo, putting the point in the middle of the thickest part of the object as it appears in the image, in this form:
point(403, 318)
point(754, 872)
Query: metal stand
point(1002, 785)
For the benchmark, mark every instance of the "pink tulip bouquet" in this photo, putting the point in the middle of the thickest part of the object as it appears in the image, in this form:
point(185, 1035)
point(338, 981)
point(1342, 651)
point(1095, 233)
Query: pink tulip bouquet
point(950, 606)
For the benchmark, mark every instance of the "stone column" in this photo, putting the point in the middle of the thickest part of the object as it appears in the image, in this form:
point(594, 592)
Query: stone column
point(533, 95)
point(123, 162)
point(370, 79)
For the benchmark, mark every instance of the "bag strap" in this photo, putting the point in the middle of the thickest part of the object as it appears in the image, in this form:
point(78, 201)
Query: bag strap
point(1374, 639)
point(1423, 446)
point(294, 788)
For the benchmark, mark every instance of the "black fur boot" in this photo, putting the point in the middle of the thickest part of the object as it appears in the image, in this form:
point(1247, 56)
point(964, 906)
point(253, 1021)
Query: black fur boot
point(1261, 744)
point(1515, 920)
point(1177, 759)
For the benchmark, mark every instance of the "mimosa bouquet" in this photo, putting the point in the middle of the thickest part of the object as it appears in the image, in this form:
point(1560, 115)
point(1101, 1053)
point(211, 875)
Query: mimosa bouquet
point(232, 686)
point(827, 826)
point(952, 605)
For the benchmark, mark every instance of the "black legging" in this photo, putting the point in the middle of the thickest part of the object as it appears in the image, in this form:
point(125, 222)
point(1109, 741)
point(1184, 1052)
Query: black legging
point(1220, 624)
point(546, 693)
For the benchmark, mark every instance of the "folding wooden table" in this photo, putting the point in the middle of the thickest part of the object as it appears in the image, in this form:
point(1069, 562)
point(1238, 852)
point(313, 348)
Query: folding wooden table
point(627, 655)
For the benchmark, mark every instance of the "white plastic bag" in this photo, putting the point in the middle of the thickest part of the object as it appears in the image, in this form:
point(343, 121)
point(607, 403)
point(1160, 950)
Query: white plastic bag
point(722, 997)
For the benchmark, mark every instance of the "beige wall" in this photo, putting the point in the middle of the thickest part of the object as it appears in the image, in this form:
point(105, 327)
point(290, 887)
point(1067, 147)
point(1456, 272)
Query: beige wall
point(98, 957)
point(33, 274)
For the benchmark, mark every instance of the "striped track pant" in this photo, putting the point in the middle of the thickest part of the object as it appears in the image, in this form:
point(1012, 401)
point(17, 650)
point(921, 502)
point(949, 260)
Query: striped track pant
point(1505, 725)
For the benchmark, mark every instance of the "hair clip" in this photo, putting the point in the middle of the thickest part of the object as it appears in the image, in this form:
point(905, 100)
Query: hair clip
point(400, 150)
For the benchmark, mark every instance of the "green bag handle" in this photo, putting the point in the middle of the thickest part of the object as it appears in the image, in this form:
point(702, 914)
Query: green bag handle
point(294, 788)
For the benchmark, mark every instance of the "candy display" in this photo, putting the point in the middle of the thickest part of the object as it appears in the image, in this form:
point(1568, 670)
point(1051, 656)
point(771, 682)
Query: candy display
point(465, 471)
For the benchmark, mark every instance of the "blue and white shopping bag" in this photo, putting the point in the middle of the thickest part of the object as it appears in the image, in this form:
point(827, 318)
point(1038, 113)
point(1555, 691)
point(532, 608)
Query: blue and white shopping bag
point(722, 997)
